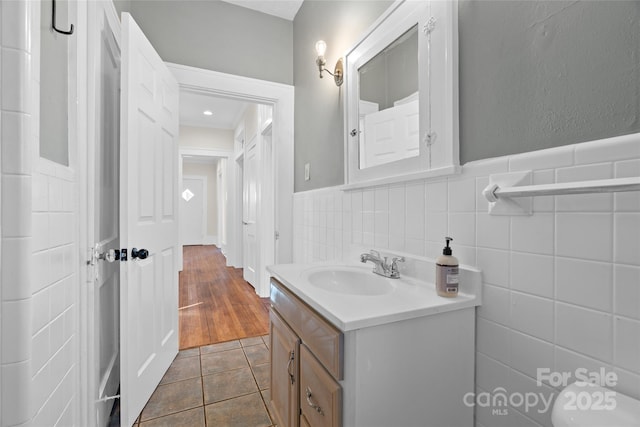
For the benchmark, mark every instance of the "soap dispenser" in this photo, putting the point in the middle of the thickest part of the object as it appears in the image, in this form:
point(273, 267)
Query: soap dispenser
point(447, 272)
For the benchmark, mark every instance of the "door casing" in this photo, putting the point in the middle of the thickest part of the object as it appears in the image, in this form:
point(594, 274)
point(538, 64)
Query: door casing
point(281, 98)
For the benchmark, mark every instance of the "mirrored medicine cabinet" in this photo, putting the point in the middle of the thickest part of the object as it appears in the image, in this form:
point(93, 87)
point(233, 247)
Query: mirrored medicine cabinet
point(402, 96)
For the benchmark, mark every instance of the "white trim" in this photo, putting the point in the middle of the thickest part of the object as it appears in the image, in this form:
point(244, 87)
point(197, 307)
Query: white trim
point(438, 91)
point(318, 191)
point(281, 97)
point(210, 240)
point(190, 151)
point(416, 176)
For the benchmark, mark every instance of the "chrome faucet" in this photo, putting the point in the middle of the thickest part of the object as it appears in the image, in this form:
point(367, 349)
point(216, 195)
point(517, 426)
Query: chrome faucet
point(381, 265)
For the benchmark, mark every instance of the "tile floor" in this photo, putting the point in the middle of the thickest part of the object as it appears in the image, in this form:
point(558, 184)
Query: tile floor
point(222, 385)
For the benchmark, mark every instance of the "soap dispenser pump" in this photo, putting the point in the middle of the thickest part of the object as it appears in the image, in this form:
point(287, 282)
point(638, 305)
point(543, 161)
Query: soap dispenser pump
point(447, 272)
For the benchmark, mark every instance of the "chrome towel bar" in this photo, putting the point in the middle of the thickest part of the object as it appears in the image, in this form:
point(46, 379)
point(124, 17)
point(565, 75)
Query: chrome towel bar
point(493, 192)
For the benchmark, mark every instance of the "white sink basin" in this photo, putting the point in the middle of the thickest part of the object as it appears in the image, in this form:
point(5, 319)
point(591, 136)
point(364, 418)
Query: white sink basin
point(348, 280)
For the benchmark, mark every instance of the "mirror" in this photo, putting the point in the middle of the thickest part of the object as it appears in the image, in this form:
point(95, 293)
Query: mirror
point(388, 106)
point(401, 96)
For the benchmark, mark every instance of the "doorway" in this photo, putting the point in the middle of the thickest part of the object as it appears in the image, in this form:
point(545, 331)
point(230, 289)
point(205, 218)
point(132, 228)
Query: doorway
point(280, 131)
point(193, 208)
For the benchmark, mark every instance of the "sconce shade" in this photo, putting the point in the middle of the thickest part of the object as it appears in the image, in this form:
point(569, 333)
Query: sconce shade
point(321, 47)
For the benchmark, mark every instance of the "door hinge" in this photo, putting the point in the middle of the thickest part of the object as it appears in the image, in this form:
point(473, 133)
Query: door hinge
point(277, 235)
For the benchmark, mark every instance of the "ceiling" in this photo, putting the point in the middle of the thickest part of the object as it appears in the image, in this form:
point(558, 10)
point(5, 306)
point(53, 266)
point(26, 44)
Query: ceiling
point(226, 112)
point(286, 9)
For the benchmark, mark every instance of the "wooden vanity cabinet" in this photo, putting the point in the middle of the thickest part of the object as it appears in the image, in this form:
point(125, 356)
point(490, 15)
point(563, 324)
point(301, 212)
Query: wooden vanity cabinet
point(306, 364)
point(405, 373)
point(285, 348)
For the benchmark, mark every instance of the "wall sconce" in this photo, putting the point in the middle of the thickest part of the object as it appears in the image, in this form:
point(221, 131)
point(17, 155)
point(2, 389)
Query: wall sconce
point(337, 74)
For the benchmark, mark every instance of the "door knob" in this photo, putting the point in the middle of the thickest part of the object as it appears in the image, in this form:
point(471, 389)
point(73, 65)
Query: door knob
point(110, 256)
point(139, 253)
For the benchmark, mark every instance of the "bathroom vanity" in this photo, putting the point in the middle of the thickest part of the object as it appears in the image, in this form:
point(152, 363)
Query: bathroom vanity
point(350, 348)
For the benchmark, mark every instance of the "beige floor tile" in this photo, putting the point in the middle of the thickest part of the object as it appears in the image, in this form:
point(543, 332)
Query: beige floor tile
point(223, 346)
point(257, 354)
point(266, 397)
point(248, 342)
point(188, 353)
point(228, 384)
point(174, 397)
point(242, 411)
point(182, 369)
point(223, 361)
point(191, 418)
point(234, 388)
point(262, 374)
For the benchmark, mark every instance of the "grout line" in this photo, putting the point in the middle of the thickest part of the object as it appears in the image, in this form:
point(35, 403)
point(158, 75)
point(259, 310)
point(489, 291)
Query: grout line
point(204, 411)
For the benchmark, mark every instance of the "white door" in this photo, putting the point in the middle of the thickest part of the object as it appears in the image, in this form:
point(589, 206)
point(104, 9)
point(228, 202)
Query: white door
point(103, 309)
point(250, 211)
point(193, 210)
point(222, 203)
point(398, 124)
point(149, 210)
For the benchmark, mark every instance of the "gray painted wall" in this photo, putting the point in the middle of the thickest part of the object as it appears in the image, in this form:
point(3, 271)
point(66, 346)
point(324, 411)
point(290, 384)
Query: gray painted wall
point(318, 130)
point(533, 75)
point(217, 36)
point(122, 6)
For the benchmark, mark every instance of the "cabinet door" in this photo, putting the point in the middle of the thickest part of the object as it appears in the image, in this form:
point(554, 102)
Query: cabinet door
point(285, 348)
point(320, 394)
point(303, 421)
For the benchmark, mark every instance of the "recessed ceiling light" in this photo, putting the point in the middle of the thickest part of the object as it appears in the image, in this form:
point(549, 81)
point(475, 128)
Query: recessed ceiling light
point(207, 113)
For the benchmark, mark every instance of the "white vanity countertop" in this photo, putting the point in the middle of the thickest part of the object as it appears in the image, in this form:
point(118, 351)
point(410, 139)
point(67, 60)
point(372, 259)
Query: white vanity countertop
point(409, 298)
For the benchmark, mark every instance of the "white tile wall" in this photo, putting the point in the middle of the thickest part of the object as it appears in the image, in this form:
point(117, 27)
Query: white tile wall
point(38, 349)
point(16, 224)
point(3, 276)
point(561, 287)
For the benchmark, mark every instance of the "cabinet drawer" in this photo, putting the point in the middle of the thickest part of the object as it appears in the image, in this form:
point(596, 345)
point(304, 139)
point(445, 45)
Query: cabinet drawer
point(320, 394)
point(322, 338)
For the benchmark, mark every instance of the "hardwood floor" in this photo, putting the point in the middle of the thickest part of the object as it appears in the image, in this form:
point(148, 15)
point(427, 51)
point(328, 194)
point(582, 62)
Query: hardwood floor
point(216, 303)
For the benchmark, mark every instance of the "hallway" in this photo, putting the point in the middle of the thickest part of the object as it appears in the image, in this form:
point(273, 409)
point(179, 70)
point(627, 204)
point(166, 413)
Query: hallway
point(216, 303)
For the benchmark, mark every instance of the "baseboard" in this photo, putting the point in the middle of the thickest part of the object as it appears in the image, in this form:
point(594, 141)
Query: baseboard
point(210, 240)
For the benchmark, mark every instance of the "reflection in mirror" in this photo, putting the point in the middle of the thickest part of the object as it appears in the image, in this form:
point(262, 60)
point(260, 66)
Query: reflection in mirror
point(388, 105)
